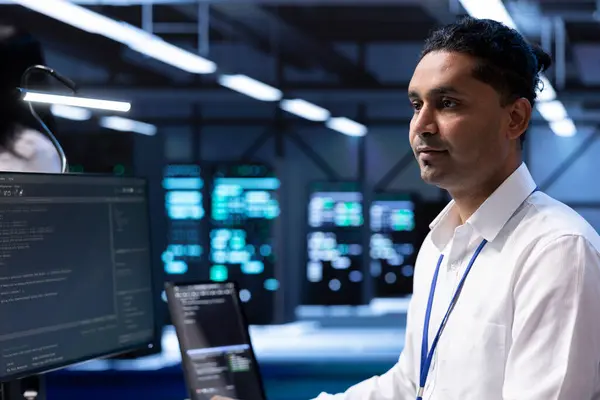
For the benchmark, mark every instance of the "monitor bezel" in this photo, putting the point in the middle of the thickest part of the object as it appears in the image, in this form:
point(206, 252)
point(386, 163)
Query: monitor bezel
point(169, 289)
point(116, 352)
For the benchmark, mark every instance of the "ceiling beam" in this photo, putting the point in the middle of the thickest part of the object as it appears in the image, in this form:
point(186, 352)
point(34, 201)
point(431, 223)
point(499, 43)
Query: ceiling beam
point(220, 95)
point(67, 126)
point(336, 93)
point(338, 101)
point(291, 43)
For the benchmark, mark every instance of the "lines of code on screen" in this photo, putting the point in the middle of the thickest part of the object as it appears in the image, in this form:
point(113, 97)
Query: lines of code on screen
point(216, 351)
point(75, 277)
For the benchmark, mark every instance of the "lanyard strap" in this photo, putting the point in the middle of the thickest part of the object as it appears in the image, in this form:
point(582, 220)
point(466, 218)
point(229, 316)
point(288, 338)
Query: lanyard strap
point(427, 354)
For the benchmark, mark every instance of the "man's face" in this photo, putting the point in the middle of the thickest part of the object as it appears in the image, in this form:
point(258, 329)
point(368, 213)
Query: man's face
point(458, 130)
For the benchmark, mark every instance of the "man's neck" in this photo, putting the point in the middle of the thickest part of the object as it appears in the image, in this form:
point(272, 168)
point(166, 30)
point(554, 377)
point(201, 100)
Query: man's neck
point(469, 200)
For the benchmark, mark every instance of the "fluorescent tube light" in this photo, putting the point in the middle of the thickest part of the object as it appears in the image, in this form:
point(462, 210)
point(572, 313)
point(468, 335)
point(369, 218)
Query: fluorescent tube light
point(127, 125)
point(346, 126)
point(489, 9)
point(167, 53)
point(564, 128)
point(135, 38)
point(250, 87)
point(552, 110)
point(72, 113)
point(304, 109)
point(74, 101)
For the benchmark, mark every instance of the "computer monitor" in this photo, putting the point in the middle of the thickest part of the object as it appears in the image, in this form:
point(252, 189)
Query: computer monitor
point(75, 270)
point(216, 350)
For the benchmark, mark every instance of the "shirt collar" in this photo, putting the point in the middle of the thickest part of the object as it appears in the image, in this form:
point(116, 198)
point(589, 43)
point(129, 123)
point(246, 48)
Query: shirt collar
point(492, 215)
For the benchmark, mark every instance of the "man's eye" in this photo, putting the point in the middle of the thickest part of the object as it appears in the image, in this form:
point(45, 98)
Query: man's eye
point(448, 103)
point(417, 106)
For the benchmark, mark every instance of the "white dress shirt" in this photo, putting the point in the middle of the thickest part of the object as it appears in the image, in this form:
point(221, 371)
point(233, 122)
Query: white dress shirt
point(526, 325)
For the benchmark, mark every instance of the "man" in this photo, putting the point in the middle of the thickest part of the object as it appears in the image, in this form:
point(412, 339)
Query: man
point(525, 325)
point(510, 274)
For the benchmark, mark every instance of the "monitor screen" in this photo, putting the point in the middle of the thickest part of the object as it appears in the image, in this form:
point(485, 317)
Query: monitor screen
point(393, 243)
point(184, 207)
point(334, 267)
point(244, 209)
point(75, 270)
point(216, 351)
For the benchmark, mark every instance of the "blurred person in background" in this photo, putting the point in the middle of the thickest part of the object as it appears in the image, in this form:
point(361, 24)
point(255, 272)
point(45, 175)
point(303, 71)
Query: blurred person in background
point(22, 146)
point(506, 290)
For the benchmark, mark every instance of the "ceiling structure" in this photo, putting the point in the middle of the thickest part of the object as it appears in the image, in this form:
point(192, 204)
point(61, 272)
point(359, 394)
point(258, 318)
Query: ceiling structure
point(353, 57)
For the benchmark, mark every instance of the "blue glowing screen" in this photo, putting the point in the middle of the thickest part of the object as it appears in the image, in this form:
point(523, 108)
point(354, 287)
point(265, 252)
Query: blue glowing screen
point(334, 272)
point(183, 188)
point(393, 243)
point(244, 207)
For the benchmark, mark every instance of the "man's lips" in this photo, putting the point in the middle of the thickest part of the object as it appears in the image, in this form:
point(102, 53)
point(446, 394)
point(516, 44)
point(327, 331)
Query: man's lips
point(429, 150)
point(430, 154)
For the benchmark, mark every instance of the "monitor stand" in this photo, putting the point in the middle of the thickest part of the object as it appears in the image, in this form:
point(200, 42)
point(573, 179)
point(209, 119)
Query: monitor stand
point(31, 388)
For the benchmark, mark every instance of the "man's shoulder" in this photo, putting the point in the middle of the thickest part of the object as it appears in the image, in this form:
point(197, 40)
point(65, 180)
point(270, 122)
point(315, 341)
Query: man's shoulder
point(547, 220)
point(554, 244)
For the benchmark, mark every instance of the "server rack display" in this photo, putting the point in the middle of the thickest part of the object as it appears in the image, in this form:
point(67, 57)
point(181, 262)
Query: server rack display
point(334, 267)
point(243, 208)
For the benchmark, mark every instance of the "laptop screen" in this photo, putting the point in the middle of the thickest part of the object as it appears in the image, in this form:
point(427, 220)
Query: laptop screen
point(213, 337)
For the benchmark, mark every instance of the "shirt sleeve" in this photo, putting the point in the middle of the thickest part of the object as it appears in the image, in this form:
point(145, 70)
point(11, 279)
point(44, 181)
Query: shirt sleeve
point(555, 351)
point(398, 383)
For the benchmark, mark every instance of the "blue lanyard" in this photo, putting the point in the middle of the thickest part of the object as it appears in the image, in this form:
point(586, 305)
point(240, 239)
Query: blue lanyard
point(427, 354)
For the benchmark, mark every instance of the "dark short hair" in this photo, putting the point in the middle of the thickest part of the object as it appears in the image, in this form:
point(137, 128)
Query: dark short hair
point(506, 61)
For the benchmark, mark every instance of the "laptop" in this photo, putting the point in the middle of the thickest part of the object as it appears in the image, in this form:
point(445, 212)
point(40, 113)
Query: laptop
point(216, 352)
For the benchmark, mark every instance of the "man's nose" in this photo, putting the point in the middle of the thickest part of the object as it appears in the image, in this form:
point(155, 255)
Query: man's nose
point(424, 122)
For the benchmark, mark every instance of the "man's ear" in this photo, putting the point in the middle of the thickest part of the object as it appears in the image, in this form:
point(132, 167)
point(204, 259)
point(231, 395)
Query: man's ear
point(520, 115)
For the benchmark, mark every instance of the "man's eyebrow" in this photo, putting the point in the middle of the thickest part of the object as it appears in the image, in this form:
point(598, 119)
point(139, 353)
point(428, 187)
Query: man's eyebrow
point(438, 91)
point(442, 90)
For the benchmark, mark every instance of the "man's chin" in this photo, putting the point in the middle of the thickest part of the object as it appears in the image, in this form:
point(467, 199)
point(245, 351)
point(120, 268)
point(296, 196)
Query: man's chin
point(433, 176)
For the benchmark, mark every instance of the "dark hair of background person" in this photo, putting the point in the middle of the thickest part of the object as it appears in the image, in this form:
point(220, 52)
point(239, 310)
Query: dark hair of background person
point(506, 61)
point(18, 51)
